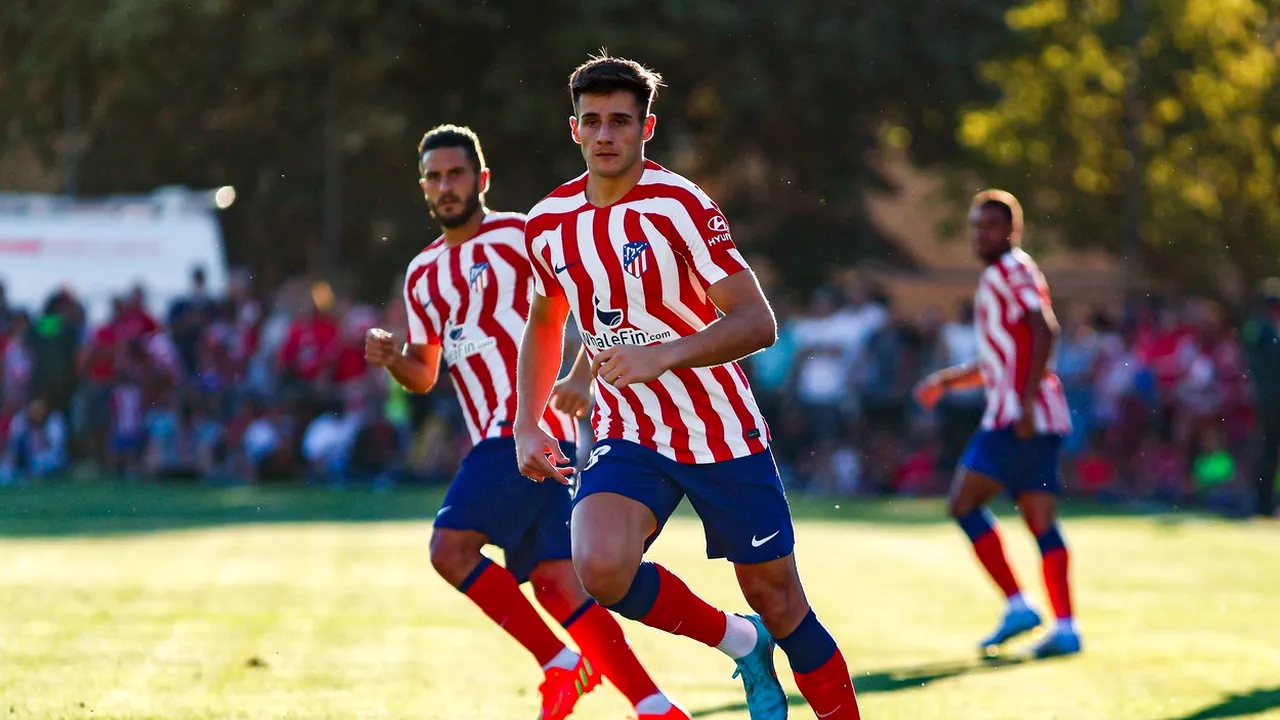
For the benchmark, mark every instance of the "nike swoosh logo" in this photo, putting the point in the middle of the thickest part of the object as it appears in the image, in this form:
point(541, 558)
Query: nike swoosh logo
point(757, 542)
point(827, 715)
point(443, 510)
point(561, 268)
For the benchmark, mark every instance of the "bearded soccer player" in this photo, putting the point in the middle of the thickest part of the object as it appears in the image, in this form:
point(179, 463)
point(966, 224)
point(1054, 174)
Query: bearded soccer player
point(645, 262)
point(467, 296)
point(1016, 448)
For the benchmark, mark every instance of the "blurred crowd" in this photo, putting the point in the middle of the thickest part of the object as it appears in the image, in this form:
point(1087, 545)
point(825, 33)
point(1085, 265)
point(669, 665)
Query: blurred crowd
point(1173, 403)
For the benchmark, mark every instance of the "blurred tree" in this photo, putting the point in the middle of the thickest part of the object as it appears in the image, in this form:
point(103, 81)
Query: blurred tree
point(778, 108)
point(1201, 81)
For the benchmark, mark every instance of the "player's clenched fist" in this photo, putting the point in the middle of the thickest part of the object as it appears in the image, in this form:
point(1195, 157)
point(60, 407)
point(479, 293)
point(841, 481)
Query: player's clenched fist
point(630, 364)
point(540, 457)
point(572, 396)
point(379, 347)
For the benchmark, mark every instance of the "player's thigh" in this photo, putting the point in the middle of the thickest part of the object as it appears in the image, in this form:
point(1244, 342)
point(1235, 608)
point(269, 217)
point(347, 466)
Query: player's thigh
point(622, 502)
point(988, 464)
point(547, 539)
point(742, 505)
point(490, 496)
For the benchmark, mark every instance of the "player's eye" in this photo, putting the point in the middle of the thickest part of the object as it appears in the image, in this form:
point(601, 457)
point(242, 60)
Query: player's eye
point(619, 122)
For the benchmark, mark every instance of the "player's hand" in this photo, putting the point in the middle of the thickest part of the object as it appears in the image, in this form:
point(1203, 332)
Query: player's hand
point(625, 365)
point(379, 347)
point(540, 458)
point(1026, 425)
point(929, 392)
point(572, 395)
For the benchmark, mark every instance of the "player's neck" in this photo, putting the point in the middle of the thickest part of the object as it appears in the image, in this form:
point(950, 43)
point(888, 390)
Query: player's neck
point(457, 235)
point(605, 191)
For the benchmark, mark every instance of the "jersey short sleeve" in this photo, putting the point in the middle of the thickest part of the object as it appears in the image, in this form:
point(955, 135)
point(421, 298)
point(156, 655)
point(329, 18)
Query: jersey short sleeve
point(1024, 291)
point(545, 282)
point(422, 330)
point(705, 233)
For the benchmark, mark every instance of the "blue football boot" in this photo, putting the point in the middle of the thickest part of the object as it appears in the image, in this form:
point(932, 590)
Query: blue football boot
point(1016, 621)
point(766, 700)
point(1060, 641)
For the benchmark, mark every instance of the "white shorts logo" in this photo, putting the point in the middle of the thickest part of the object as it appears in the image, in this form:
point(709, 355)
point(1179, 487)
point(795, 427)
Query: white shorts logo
point(596, 454)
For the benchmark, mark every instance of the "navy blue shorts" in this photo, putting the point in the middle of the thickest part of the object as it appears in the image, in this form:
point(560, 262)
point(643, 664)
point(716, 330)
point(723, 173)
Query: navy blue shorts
point(1021, 465)
point(528, 520)
point(741, 502)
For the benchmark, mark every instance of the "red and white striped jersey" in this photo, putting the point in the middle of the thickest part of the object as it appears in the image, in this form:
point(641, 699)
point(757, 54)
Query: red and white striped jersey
point(1009, 289)
point(636, 273)
point(473, 300)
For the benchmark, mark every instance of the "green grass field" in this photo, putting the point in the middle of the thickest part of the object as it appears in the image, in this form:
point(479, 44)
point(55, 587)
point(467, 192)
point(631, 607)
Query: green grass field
point(146, 602)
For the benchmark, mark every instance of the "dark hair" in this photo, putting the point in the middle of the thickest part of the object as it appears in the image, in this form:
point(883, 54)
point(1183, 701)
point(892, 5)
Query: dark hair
point(446, 136)
point(603, 74)
point(1002, 206)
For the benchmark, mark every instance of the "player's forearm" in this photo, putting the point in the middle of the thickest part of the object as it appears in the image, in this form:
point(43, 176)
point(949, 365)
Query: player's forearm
point(1041, 342)
point(581, 370)
point(413, 374)
point(536, 368)
point(960, 377)
point(741, 332)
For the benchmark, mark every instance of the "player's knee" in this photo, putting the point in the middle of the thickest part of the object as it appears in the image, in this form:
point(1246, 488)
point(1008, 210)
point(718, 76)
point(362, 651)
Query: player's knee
point(453, 556)
point(605, 579)
point(781, 607)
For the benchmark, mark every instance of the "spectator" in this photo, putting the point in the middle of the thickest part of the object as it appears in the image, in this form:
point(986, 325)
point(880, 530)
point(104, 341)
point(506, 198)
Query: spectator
point(310, 347)
point(37, 444)
point(1261, 338)
point(15, 360)
point(1214, 473)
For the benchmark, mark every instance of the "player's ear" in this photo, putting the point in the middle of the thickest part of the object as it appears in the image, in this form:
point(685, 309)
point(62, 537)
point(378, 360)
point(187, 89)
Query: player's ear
point(484, 181)
point(650, 122)
point(573, 129)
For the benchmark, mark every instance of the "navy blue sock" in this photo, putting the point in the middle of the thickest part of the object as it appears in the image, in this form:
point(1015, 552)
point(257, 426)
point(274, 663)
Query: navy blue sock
point(641, 595)
point(474, 575)
point(576, 614)
point(1050, 540)
point(809, 646)
point(977, 522)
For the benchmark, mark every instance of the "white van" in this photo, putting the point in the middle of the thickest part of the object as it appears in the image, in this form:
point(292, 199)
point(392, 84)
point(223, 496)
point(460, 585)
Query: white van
point(100, 248)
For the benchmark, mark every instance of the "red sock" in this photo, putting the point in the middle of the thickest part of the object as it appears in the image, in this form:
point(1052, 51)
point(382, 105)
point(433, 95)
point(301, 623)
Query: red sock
point(497, 593)
point(678, 611)
point(599, 636)
point(829, 691)
point(991, 554)
point(1054, 565)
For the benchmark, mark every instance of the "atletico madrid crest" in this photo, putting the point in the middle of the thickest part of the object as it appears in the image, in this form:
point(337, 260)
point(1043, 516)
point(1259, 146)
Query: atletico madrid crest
point(636, 257)
point(479, 277)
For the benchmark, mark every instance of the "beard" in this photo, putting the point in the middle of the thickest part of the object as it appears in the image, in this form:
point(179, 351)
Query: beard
point(469, 208)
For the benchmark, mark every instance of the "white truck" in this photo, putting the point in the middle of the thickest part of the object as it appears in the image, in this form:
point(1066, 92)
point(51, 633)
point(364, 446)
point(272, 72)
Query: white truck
point(100, 248)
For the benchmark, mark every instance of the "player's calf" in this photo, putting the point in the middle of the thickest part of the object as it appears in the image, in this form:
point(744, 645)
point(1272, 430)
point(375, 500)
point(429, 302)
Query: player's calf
point(774, 590)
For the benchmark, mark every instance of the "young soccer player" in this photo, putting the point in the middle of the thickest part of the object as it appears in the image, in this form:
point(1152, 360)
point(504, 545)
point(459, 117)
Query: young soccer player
point(1016, 449)
point(467, 296)
point(645, 262)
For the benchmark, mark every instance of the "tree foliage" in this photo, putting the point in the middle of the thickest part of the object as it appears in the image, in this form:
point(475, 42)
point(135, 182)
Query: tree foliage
point(1202, 79)
point(778, 106)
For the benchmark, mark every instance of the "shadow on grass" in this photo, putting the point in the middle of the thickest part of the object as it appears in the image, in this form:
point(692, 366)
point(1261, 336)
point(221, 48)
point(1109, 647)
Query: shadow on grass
point(1238, 705)
point(901, 678)
point(110, 507)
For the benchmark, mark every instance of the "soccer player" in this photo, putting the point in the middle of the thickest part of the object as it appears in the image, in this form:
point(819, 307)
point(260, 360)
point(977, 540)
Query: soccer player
point(645, 262)
point(467, 296)
point(1016, 448)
